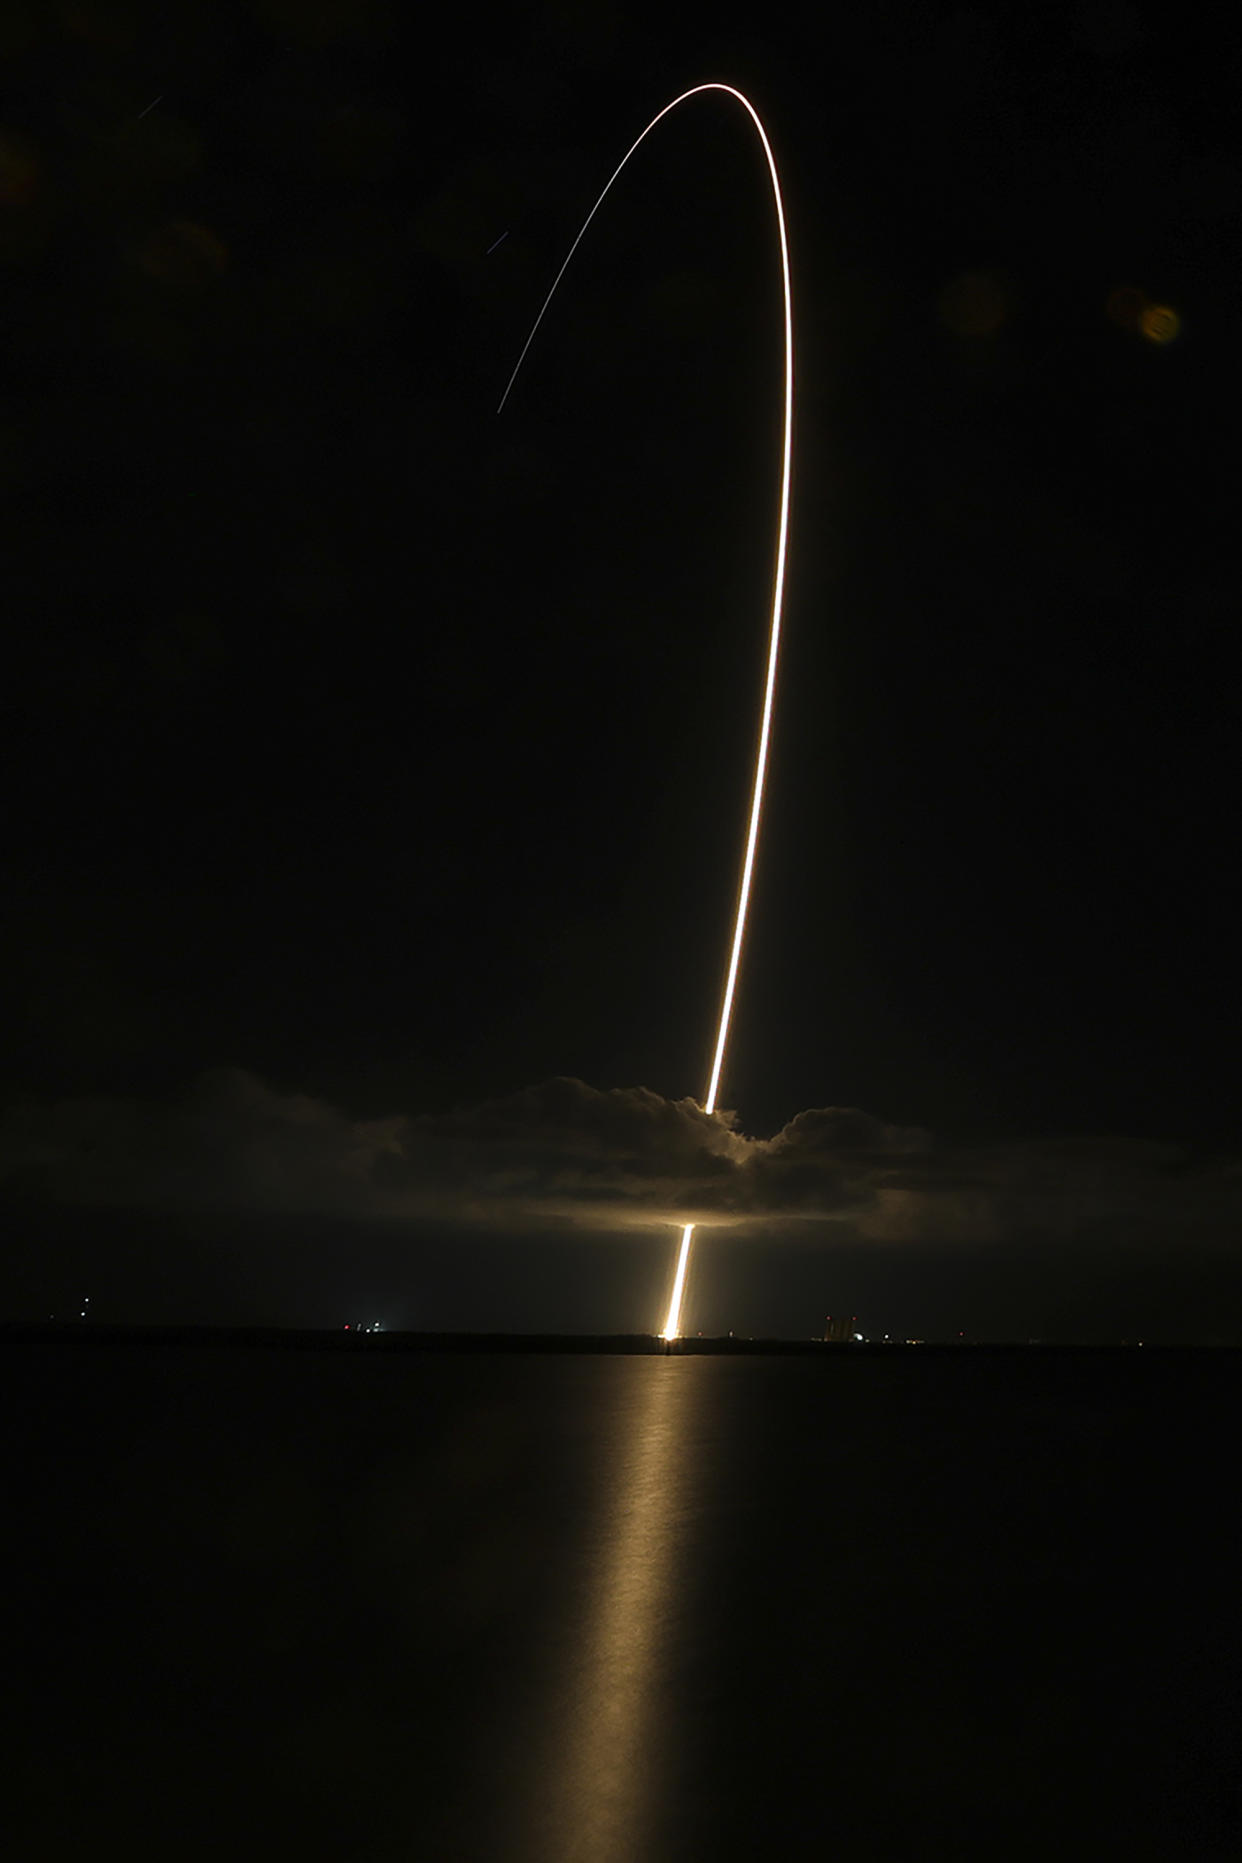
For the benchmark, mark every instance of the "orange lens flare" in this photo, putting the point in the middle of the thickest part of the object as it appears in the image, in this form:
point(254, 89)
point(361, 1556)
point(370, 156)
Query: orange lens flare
point(1159, 323)
point(672, 1324)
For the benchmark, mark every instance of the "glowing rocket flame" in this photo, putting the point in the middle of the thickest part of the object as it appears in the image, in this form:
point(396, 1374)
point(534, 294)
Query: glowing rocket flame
point(672, 1324)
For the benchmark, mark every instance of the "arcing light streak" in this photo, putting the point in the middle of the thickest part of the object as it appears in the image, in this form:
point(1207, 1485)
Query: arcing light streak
point(672, 1324)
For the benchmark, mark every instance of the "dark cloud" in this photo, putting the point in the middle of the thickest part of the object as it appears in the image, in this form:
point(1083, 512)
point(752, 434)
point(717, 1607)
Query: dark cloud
point(611, 1159)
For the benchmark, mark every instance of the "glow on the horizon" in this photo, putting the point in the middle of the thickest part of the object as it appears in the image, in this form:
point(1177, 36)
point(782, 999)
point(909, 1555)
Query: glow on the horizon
point(672, 1324)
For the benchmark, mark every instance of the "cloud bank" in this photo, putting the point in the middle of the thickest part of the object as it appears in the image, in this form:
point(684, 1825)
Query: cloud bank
point(567, 1153)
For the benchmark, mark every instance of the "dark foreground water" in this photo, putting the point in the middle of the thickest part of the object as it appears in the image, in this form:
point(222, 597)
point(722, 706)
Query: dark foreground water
point(585, 1607)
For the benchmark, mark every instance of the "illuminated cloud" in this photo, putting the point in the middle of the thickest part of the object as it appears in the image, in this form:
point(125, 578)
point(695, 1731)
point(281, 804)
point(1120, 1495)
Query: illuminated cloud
point(568, 1154)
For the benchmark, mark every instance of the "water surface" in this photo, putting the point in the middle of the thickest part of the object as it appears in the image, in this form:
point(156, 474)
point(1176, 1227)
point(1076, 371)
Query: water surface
point(592, 1608)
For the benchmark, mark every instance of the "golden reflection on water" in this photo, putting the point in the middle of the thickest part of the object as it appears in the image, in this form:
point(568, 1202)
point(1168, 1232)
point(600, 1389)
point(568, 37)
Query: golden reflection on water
point(601, 1774)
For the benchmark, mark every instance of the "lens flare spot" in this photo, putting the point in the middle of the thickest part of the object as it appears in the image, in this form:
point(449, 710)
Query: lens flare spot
point(1133, 310)
point(976, 304)
point(19, 171)
point(1125, 306)
point(1159, 323)
point(182, 256)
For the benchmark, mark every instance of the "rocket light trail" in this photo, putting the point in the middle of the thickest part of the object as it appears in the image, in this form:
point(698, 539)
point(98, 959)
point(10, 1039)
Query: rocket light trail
point(672, 1324)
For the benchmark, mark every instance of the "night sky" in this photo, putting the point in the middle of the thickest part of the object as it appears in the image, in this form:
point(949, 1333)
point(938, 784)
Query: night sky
point(376, 767)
